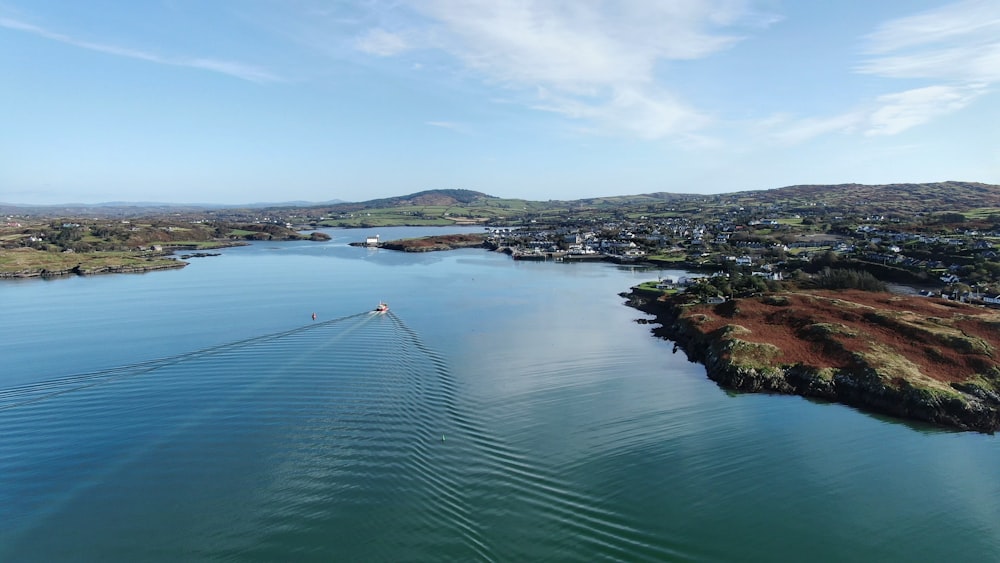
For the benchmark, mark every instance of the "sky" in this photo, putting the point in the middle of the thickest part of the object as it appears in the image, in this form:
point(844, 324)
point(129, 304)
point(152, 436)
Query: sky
point(246, 101)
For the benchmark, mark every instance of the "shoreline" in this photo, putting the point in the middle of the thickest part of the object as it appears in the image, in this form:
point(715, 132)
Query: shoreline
point(79, 270)
point(117, 262)
point(963, 405)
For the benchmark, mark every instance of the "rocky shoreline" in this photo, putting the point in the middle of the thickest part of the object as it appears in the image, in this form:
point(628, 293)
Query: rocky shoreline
point(969, 406)
point(95, 263)
point(79, 270)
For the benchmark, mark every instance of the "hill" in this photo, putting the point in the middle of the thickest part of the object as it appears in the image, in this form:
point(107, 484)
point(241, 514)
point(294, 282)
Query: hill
point(880, 199)
point(899, 200)
point(432, 197)
point(443, 206)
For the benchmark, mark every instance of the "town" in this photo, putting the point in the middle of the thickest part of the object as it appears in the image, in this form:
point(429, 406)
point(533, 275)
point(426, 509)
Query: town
point(950, 259)
point(940, 239)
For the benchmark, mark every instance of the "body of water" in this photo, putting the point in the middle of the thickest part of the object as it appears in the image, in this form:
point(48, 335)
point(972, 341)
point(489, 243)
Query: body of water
point(501, 411)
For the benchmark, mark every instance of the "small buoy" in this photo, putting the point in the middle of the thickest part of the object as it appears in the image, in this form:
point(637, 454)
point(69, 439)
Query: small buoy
point(314, 316)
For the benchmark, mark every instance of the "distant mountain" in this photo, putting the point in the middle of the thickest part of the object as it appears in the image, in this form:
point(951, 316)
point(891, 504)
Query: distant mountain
point(431, 198)
point(929, 197)
point(141, 208)
point(297, 203)
point(110, 209)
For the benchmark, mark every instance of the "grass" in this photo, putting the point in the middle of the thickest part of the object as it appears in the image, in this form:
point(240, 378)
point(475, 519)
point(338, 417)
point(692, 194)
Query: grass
point(198, 244)
point(29, 261)
point(790, 221)
point(797, 251)
point(650, 287)
point(825, 329)
point(754, 354)
point(672, 257)
point(981, 213)
point(386, 221)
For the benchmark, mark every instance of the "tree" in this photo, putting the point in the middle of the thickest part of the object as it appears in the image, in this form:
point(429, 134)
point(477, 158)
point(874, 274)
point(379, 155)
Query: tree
point(839, 278)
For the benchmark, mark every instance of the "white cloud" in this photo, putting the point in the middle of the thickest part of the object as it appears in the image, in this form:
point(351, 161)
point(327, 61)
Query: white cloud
point(382, 43)
point(901, 111)
point(889, 114)
point(449, 125)
point(576, 46)
point(792, 131)
point(959, 20)
point(956, 64)
point(957, 42)
point(641, 112)
point(594, 61)
point(956, 46)
point(238, 70)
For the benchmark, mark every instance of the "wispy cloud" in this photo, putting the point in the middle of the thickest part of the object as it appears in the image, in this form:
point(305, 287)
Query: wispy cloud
point(957, 42)
point(790, 131)
point(956, 47)
point(588, 60)
point(382, 43)
point(642, 112)
point(889, 114)
point(901, 111)
point(235, 69)
point(576, 46)
point(449, 125)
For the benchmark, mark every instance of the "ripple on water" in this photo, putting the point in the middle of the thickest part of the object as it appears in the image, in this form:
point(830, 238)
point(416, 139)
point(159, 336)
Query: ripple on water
point(347, 438)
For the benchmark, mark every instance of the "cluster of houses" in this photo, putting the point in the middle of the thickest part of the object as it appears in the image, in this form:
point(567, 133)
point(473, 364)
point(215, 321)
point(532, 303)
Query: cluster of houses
point(762, 247)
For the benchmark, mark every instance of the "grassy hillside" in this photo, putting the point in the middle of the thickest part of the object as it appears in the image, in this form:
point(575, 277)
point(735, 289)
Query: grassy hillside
point(439, 207)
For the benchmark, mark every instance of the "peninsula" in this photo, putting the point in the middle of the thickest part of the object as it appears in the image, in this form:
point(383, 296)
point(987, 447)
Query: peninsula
point(912, 357)
point(33, 246)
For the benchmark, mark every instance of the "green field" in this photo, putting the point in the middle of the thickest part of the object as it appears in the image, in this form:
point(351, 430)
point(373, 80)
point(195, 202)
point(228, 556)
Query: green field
point(982, 213)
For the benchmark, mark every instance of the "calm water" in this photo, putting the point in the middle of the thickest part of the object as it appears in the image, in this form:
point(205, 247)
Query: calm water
point(501, 411)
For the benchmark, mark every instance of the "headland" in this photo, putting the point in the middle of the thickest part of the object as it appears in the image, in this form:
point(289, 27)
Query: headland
point(917, 358)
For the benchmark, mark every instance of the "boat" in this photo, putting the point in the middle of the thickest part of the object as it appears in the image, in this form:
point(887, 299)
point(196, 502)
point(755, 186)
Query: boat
point(383, 307)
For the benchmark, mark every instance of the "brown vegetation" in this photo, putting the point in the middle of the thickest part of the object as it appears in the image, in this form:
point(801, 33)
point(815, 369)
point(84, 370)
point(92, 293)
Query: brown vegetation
point(944, 341)
point(439, 242)
point(912, 357)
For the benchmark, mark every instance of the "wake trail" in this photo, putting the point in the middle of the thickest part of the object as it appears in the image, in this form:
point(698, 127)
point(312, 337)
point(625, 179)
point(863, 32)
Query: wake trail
point(22, 395)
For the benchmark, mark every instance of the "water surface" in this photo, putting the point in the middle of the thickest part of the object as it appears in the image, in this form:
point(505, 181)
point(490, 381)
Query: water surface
point(501, 411)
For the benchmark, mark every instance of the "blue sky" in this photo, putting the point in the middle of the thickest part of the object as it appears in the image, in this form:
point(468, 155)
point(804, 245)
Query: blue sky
point(244, 101)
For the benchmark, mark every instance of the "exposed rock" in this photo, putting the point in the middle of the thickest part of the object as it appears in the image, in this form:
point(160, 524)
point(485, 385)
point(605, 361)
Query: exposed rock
point(962, 405)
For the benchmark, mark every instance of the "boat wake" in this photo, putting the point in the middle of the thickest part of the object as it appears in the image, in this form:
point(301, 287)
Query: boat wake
point(345, 439)
point(313, 427)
